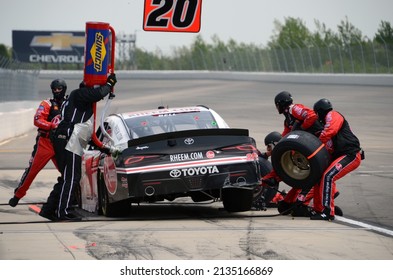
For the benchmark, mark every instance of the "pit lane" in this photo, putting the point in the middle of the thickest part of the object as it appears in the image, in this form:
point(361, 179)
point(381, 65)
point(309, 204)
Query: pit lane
point(204, 231)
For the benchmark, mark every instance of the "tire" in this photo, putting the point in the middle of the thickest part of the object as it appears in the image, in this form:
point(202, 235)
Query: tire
point(103, 201)
point(237, 200)
point(116, 209)
point(299, 159)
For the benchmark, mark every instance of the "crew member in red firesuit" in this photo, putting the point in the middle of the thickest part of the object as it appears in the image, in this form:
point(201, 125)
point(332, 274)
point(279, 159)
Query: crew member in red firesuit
point(346, 154)
point(297, 116)
point(294, 202)
point(46, 118)
point(71, 137)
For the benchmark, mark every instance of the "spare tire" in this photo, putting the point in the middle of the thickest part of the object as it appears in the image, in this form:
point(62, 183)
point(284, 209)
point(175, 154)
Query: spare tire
point(300, 159)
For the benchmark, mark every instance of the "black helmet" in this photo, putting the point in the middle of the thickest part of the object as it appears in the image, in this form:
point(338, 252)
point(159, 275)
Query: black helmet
point(273, 138)
point(56, 84)
point(282, 101)
point(322, 107)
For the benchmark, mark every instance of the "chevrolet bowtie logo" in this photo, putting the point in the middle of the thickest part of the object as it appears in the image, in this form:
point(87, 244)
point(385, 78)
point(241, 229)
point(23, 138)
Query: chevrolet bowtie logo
point(59, 41)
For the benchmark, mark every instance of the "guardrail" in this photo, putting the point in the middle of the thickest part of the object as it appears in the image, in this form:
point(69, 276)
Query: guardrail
point(308, 78)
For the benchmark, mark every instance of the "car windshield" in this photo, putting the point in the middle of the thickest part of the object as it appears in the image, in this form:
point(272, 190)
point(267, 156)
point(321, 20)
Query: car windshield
point(151, 124)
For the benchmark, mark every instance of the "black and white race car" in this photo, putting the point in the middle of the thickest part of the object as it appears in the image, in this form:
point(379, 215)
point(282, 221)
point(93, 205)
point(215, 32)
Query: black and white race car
point(167, 154)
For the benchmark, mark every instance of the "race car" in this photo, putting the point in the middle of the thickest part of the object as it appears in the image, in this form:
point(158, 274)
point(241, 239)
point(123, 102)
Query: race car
point(169, 153)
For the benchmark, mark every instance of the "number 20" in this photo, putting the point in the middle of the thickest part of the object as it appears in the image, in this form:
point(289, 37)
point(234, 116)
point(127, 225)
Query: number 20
point(172, 15)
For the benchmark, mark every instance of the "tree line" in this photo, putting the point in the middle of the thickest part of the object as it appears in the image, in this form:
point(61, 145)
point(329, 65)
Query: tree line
point(291, 48)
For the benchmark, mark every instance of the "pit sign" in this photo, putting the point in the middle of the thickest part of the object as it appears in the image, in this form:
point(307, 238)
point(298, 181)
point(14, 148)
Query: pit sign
point(172, 15)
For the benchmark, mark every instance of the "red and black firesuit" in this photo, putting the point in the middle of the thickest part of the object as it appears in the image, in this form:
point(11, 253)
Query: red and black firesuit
point(297, 117)
point(346, 154)
point(71, 137)
point(46, 119)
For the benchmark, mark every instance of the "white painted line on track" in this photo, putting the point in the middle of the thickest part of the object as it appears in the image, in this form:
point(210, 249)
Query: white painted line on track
point(364, 225)
point(11, 139)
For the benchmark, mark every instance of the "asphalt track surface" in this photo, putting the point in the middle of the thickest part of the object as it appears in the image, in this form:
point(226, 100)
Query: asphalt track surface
point(180, 230)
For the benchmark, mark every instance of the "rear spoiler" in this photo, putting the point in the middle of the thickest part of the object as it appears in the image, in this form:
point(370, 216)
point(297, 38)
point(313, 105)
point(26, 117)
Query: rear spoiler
point(189, 133)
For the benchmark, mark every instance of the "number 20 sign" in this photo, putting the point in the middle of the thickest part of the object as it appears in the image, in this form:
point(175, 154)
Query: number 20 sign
point(172, 15)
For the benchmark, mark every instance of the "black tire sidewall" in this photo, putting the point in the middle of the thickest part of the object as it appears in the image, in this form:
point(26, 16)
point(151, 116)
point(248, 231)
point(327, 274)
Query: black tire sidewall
point(306, 144)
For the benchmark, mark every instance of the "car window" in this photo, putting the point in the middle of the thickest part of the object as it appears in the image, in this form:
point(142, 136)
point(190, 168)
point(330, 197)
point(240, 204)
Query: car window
point(146, 125)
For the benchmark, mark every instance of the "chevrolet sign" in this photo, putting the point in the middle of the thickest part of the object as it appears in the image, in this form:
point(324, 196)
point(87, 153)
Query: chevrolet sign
point(48, 46)
point(58, 41)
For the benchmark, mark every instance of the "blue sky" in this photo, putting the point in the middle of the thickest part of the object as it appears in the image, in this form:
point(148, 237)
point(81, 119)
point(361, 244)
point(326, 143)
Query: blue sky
point(248, 21)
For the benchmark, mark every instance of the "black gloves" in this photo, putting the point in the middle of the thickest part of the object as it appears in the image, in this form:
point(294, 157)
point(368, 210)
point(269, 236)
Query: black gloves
point(271, 182)
point(111, 80)
point(105, 150)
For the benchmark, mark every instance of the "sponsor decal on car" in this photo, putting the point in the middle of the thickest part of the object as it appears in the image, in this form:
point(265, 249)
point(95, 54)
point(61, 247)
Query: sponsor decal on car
point(124, 182)
point(180, 165)
point(110, 176)
point(186, 156)
point(210, 154)
point(142, 148)
point(189, 141)
point(252, 156)
point(194, 171)
point(162, 112)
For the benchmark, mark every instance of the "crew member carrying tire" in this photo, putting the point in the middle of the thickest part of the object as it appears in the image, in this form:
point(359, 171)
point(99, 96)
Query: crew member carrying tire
point(297, 117)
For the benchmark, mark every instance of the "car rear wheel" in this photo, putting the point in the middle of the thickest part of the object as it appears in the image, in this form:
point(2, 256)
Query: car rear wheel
point(300, 159)
point(107, 208)
point(103, 200)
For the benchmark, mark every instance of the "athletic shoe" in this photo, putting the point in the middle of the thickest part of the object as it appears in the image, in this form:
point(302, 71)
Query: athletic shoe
point(69, 218)
point(338, 211)
point(320, 216)
point(284, 208)
point(47, 215)
point(13, 201)
point(301, 211)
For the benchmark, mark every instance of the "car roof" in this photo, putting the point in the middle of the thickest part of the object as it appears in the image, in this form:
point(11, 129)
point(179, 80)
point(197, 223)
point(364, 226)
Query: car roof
point(164, 111)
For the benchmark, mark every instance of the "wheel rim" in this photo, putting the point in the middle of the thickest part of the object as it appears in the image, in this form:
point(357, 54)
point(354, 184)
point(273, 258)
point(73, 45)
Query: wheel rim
point(295, 165)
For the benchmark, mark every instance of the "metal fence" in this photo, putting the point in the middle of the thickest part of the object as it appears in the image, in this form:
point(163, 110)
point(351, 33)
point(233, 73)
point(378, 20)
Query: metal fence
point(356, 58)
point(18, 81)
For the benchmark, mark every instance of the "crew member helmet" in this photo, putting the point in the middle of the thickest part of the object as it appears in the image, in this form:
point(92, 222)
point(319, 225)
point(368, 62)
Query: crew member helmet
point(322, 107)
point(273, 138)
point(282, 101)
point(59, 88)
